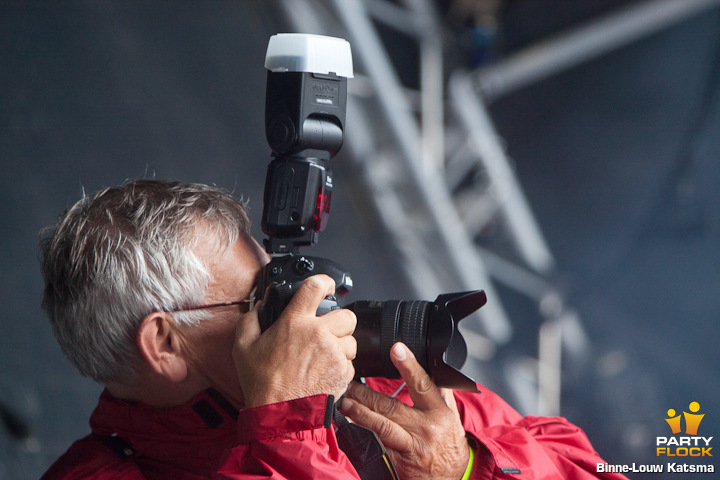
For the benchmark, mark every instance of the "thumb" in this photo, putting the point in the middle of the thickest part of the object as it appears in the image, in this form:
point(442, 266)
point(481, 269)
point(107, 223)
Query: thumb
point(423, 392)
point(312, 291)
point(248, 328)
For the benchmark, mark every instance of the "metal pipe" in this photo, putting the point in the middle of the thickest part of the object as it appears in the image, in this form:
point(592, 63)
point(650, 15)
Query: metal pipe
point(465, 260)
point(431, 85)
point(399, 18)
point(549, 367)
point(484, 140)
point(584, 43)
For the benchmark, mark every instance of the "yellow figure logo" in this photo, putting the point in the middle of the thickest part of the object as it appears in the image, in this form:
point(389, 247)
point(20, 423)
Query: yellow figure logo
point(673, 421)
point(688, 445)
point(692, 420)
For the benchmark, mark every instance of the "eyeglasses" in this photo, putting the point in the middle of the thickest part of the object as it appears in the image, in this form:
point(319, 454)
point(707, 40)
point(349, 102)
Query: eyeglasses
point(250, 302)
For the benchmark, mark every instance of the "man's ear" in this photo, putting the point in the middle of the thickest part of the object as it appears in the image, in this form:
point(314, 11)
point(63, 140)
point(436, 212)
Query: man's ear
point(160, 347)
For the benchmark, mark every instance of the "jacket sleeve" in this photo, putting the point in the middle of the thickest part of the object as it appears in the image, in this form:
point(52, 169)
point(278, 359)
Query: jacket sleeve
point(510, 446)
point(287, 440)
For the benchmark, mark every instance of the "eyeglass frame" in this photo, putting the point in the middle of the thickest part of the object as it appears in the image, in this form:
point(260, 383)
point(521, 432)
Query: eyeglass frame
point(250, 301)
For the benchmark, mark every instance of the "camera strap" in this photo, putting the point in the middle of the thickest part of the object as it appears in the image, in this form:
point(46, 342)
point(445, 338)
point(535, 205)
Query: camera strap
point(363, 448)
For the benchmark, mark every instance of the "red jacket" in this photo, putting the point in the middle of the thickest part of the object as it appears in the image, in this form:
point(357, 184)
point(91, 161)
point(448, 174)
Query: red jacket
point(208, 438)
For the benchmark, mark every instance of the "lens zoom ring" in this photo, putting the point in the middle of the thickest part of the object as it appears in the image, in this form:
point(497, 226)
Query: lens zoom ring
point(412, 327)
point(388, 328)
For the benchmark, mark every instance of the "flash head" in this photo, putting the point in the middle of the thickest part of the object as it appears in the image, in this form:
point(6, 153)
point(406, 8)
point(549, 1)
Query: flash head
point(305, 106)
point(306, 94)
point(304, 52)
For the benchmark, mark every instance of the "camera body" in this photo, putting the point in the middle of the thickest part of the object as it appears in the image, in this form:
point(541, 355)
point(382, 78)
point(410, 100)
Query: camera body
point(305, 107)
point(284, 274)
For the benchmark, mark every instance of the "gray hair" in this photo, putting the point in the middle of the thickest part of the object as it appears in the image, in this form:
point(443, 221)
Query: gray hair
point(122, 254)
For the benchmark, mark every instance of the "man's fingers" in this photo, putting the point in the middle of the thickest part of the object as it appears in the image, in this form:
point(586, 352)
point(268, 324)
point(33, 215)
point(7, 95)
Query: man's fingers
point(312, 291)
point(392, 435)
point(380, 403)
point(248, 328)
point(449, 397)
point(424, 393)
point(349, 346)
point(341, 322)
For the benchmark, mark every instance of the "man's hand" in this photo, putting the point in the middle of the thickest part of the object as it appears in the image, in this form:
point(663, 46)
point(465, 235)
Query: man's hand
point(301, 354)
point(426, 440)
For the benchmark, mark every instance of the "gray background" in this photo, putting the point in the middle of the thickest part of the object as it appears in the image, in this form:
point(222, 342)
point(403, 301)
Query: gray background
point(618, 157)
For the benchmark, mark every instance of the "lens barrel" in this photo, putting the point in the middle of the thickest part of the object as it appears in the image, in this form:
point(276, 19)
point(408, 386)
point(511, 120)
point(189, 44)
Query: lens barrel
point(429, 329)
point(382, 324)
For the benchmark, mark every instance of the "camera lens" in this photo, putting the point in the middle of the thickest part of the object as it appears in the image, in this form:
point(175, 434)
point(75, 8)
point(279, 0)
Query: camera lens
point(380, 325)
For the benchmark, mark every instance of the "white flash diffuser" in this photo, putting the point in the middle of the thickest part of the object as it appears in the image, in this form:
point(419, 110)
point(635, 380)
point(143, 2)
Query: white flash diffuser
point(303, 52)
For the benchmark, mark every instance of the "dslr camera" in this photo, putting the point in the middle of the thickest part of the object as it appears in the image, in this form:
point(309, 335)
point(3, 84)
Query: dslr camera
point(305, 108)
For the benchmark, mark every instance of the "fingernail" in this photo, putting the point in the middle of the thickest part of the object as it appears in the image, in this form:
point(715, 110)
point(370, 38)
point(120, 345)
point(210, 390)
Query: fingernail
point(400, 351)
point(345, 405)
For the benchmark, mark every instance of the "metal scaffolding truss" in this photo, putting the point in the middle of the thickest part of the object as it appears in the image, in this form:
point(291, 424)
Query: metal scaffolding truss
point(417, 148)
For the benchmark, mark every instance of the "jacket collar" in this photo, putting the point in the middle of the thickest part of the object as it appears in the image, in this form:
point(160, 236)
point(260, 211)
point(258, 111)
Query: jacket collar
point(160, 437)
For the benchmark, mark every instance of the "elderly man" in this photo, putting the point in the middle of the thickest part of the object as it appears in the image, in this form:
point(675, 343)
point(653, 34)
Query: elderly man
point(148, 287)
